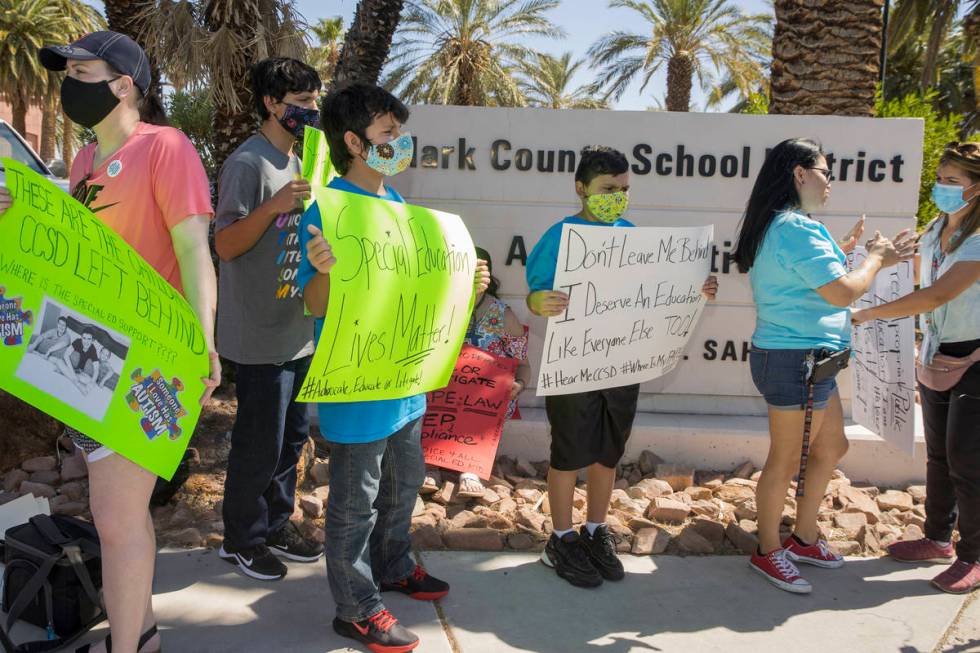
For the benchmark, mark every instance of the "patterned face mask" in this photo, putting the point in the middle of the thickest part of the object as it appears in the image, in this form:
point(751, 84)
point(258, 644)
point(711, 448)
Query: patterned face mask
point(608, 207)
point(392, 157)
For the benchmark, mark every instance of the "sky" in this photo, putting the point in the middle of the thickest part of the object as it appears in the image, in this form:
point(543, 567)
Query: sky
point(583, 21)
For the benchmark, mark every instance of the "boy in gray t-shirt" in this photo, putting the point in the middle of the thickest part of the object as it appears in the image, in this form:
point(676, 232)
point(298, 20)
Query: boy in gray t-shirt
point(261, 323)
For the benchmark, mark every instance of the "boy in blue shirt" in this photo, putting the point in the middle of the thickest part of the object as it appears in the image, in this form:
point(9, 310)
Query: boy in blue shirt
point(589, 430)
point(376, 460)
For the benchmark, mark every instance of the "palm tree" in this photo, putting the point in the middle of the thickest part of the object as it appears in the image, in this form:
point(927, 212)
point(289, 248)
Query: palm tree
point(325, 55)
point(826, 60)
point(212, 44)
point(971, 33)
point(466, 52)
point(547, 80)
point(127, 17)
point(367, 42)
point(25, 26)
point(928, 20)
point(694, 38)
point(79, 19)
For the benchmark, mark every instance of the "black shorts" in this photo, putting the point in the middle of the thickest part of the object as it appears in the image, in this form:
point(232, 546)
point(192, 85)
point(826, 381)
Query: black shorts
point(591, 427)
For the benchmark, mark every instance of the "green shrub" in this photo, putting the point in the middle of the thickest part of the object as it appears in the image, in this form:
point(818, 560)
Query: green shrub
point(939, 130)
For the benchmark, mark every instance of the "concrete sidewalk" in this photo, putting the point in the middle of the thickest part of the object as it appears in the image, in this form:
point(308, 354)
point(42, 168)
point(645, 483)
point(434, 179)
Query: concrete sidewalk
point(510, 602)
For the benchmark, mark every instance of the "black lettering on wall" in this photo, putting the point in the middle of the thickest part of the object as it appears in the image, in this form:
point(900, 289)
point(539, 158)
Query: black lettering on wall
point(729, 165)
point(497, 162)
point(566, 161)
point(664, 165)
point(523, 159)
point(897, 162)
point(542, 166)
point(873, 170)
point(517, 251)
point(642, 165)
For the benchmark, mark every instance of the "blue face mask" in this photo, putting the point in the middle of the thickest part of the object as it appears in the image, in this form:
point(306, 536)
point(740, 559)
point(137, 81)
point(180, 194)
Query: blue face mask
point(948, 198)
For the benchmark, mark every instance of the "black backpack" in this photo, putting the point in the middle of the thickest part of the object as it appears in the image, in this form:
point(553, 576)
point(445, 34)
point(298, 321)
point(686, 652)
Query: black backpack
point(52, 577)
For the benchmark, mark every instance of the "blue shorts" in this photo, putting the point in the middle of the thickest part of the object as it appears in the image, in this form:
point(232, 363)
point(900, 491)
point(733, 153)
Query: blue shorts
point(778, 374)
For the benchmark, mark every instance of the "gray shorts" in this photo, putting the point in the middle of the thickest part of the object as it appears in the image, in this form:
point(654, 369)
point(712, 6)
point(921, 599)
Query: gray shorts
point(93, 451)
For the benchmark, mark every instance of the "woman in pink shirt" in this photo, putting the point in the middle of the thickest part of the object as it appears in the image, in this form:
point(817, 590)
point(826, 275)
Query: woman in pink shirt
point(145, 180)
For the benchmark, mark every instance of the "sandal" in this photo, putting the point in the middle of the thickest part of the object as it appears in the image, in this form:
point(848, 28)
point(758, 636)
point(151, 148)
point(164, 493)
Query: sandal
point(144, 638)
point(470, 486)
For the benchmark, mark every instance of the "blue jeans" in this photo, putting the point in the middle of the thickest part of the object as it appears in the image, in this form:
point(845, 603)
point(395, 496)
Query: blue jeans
point(373, 487)
point(266, 442)
point(779, 374)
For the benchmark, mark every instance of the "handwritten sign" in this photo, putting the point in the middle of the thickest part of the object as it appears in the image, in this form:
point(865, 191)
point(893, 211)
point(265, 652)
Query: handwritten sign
point(461, 428)
point(316, 167)
point(400, 299)
point(884, 360)
point(96, 338)
point(634, 299)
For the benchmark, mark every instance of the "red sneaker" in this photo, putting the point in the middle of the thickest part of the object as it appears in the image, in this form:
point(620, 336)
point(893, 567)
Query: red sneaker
point(778, 569)
point(960, 578)
point(818, 554)
point(924, 550)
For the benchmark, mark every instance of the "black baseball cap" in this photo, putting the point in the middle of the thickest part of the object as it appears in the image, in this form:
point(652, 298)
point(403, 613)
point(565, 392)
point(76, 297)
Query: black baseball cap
point(118, 50)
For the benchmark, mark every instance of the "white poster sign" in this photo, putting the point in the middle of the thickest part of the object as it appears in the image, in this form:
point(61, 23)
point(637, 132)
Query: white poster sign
point(884, 360)
point(634, 300)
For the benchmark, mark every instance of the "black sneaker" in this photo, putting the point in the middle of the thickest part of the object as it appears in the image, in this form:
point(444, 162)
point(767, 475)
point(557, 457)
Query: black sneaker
point(601, 549)
point(381, 633)
point(289, 544)
point(419, 585)
point(255, 562)
point(568, 558)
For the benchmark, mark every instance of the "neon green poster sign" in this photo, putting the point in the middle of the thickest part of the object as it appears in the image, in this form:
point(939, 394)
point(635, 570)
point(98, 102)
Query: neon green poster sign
point(317, 167)
point(92, 335)
point(401, 295)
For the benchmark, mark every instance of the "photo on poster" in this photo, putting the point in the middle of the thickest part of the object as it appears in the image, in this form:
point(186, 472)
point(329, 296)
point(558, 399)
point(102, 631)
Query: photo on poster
point(74, 359)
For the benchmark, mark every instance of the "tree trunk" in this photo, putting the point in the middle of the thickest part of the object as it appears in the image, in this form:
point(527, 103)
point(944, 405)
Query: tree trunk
point(18, 111)
point(123, 17)
point(367, 42)
point(679, 81)
point(234, 120)
point(825, 57)
point(67, 140)
point(971, 27)
point(49, 132)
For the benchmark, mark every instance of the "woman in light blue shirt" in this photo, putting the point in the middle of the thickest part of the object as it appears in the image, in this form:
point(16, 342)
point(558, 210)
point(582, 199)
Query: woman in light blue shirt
point(948, 302)
point(802, 291)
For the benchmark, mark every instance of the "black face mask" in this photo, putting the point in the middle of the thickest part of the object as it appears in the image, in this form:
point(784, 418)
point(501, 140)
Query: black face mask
point(87, 103)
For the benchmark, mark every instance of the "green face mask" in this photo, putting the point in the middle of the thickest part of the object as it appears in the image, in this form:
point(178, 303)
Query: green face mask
point(608, 207)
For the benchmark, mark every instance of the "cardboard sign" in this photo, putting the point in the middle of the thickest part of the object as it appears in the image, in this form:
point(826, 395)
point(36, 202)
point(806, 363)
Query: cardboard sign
point(461, 428)
point(634, 300)
point(883, 360)
point(401, 295)
point(93, 336)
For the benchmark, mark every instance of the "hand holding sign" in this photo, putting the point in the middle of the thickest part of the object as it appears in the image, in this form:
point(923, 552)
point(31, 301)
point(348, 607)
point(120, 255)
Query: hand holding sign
point(290, 197)
point(319, 252)
point(710, 287)
point(5, 200)
point(481, 280)
point(547, 303)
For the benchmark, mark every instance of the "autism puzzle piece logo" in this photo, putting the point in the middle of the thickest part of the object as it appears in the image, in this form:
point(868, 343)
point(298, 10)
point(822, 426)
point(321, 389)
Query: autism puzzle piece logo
point(157, 403)
point(13, 319)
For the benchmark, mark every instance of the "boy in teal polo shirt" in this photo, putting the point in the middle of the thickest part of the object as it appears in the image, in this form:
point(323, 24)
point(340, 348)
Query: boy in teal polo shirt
point(376, 460)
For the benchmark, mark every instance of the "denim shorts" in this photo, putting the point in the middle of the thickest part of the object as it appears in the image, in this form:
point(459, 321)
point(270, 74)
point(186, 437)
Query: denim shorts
point(778, 374)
